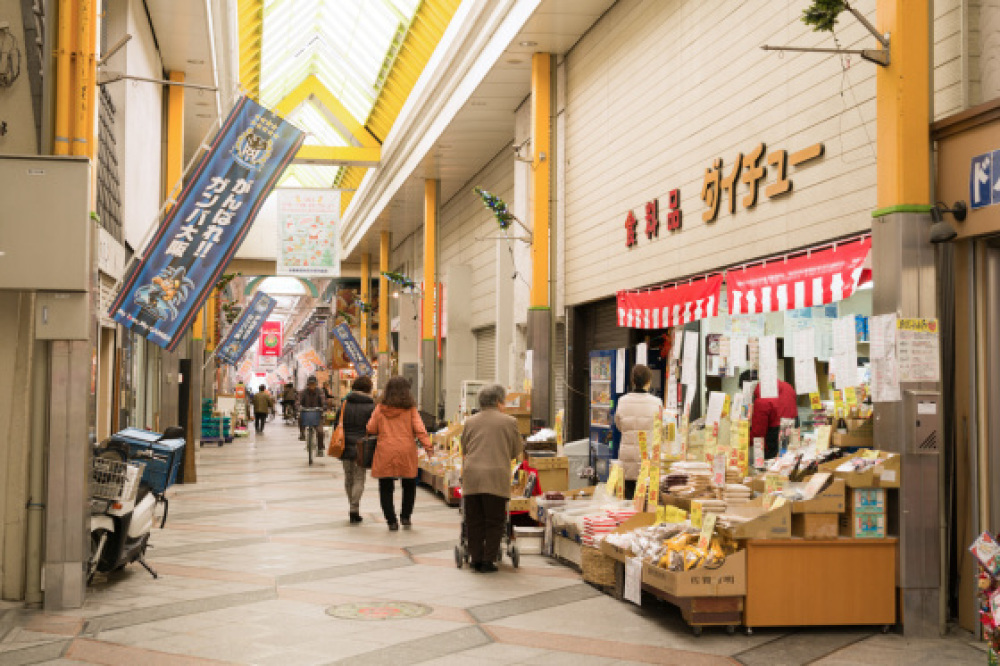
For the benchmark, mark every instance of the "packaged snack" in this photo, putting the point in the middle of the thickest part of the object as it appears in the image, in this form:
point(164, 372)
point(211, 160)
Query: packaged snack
point(986, 550)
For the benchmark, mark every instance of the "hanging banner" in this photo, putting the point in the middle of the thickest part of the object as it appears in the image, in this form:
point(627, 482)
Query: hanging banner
point(670, 306)
point(244, 332)
point(309, 233)
point(270, 339)
point(309, 361)
point(342, 332)
point(163, 291)
point(816, 278)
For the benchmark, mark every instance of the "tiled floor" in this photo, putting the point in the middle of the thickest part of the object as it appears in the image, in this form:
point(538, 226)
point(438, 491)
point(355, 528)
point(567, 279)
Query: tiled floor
point(256, 552)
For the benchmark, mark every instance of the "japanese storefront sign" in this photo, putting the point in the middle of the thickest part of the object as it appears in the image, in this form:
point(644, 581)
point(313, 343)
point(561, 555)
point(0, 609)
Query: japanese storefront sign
point(815, 278)
point(309, 233)
point(244, 331)
point(343, 334)
point(751, 170)
point(652, 218)
point(163, 291)
point(270, 339)
point(670, 306)
point(984, 180)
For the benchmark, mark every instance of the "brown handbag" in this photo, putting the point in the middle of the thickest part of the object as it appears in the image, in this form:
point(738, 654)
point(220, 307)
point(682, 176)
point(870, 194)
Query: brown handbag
point(337, 441)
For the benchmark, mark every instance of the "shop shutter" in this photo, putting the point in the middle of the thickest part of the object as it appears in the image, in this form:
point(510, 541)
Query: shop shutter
point(559, 366)
point(486, 353)
point(107, 294)
point(602, 317)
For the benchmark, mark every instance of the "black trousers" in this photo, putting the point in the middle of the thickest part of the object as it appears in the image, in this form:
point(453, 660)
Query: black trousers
point(485, 519)
point(386, 489)
point(629, 491)
point(259, 419)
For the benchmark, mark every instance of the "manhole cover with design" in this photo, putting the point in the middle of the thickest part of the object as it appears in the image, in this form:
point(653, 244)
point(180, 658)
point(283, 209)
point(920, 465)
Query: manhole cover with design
point(370, 610)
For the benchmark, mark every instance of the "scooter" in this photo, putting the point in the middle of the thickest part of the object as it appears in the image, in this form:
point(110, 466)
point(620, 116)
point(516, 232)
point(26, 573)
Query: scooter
point(123, 507)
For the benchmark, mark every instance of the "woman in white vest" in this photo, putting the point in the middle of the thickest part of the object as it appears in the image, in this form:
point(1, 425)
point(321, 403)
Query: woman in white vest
point(636, 412)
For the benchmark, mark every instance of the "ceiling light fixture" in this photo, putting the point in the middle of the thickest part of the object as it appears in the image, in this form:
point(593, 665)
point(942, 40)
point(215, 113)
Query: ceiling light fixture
point(196, 62)
point(528, 44)
point(514, 61)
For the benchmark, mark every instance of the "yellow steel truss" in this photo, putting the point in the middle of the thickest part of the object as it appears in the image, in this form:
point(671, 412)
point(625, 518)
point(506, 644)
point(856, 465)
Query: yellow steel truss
point(251, 27)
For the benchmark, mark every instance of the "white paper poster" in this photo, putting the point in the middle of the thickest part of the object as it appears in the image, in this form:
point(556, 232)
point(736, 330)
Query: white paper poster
point(845, 353)
point(620, 372)
point(917, 345)
point(678, 336)
point(689, 367)
point(672, 392)
point(768, 367)
point(738, 351)
point(641, 351)
point(751, 326)
point(309, 233)
point(796, 321)
point(885, 366)
point(716, 402)
point(633, 580)
point(805, 375)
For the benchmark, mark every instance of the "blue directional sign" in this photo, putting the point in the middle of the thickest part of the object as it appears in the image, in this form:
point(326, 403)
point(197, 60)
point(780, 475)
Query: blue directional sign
point(982, 176)
point(996, 176)
point(343, 335)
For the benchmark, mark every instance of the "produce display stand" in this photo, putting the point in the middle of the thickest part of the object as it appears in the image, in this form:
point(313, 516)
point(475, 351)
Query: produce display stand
point(437, 482)
point(701, 612)
point(850, 582)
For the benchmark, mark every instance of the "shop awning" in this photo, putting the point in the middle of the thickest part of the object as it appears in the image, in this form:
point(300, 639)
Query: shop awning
point(670, 306)
point(815, 278)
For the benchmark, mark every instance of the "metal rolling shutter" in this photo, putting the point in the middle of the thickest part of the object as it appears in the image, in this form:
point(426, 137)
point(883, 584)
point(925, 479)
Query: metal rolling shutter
point(603, 318)
point(486, 353)
point(559, 366)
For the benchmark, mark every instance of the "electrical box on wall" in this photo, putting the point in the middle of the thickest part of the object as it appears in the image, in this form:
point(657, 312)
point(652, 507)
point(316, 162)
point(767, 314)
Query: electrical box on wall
point(45, 227)
point(62, 316)
point(923, 422)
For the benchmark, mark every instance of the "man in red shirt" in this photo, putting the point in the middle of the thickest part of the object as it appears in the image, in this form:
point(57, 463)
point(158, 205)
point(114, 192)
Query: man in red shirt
point(768, 412)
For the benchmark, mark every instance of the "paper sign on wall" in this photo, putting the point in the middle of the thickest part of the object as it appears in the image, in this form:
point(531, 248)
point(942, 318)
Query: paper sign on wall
point(689, 367)
point(641, 351)
point(917, 344)
point(884, 364)
point(738, 351)
point(620, 371)
point(768, 367)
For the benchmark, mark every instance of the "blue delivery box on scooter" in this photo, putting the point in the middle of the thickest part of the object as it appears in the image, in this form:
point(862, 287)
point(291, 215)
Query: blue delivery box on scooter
point(161, 471)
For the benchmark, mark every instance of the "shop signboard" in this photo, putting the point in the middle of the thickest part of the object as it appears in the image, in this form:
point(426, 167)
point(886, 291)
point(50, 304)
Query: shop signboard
point(309, 233)
point(343, 334)
point(984, 180)
point(165, 289)
point(270, 339)
point(244, 332)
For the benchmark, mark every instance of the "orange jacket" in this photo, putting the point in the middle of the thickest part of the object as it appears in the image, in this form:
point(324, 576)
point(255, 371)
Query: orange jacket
point(396, 451)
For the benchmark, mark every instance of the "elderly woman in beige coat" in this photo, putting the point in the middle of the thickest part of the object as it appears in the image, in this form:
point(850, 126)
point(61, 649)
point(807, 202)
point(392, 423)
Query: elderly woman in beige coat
point(490, 441)
point(636, 412)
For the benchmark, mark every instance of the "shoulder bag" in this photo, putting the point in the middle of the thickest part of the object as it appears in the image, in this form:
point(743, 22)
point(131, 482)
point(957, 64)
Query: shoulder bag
point(336, 448)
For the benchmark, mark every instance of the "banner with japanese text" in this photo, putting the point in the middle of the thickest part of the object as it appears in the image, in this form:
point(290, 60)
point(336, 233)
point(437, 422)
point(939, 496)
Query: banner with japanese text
point(343, 334)
point(270, 339)
point(246, 329)
point(309, 233)
point(309, 361)
point(164, 290)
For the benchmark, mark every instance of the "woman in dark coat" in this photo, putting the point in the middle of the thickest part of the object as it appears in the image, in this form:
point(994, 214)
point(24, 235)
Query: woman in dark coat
point(357, 409)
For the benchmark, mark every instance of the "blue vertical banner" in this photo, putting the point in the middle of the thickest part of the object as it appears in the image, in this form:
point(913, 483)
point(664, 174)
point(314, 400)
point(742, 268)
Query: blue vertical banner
point(164, 290)
point(246, 329)
point(343, 335)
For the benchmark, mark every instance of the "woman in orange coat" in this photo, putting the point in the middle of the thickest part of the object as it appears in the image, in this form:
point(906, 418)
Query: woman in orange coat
point(397, 424)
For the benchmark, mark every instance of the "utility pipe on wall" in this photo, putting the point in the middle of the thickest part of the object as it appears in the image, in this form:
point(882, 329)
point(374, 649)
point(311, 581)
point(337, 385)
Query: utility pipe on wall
point(85, 75)
point(61, 143)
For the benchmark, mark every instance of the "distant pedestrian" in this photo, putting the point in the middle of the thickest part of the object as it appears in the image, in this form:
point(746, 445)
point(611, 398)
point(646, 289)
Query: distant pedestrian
point(357, 407)
point(263, 405)
point(397, 424)
point(490, 440)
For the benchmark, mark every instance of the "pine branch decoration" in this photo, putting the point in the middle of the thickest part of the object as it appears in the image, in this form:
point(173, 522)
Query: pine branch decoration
point(497, 206)
point(822, 14)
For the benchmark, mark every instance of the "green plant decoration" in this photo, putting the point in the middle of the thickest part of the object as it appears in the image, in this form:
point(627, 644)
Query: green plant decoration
point(822, 14)
point(497, 206)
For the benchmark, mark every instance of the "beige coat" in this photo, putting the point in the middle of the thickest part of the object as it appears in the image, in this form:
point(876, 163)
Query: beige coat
point(635, 412)
point(489, 442)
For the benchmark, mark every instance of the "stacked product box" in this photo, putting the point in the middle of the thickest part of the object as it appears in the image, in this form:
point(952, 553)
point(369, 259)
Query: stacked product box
point(865, 517)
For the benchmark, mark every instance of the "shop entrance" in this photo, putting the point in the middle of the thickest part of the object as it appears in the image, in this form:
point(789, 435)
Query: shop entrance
point(992, 358)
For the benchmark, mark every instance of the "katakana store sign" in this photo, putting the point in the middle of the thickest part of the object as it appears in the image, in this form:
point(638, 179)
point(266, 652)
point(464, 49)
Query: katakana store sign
point(164, 290)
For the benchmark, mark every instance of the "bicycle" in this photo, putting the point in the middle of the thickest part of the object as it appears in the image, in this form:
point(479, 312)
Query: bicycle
point(310, 418)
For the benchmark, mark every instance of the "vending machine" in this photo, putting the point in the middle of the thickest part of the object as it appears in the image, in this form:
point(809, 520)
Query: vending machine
point(604, 394)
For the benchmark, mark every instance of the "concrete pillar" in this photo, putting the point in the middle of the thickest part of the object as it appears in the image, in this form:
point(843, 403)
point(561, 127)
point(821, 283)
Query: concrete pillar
point(429, 324)
point(904, 278)
point(460, 352)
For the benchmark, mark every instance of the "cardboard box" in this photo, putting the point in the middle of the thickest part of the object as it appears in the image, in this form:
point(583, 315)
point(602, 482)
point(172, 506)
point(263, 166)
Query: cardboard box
point(884, 475)
point(830, 500)
point(728, 580)
point(816, 525)
point(519, 504)
point(863, 525)
point(517, 404)
point(553, 473)
point(763, 523)
point(548, 462)
point(567, 549)
point(637, 521)
point(851, 440)
point(523, 424)
point(867, 500)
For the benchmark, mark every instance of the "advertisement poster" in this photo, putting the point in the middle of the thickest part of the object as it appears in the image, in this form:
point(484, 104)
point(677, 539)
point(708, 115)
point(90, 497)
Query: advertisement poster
point(270, 339)
point(309, 233)
point(343, 335)
point(309, 361)
point(244, 331)
point(917, 349)
point(346, 310)
point(164, 290)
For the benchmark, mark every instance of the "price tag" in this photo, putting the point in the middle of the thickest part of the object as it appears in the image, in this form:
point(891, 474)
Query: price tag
point(870, 455)
point(815, 402)
point(823, 438)
point(778, 503)
point(661, 514)
point(633, 580)
point(642, 445)
point(560, 436)
point(654, 487)
point(696, 514)
point(639, 499)
point(838, 403)
point(725, 406)
point(851, 396)
point(612, 483)
point(758, 452)
point(707, 528)
point(719, 469)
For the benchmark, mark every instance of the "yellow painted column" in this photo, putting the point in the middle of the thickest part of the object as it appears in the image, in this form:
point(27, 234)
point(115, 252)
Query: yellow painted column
point(541, 73)
point(383, 311)
point(64, 77)
point(366, 282)
point(84, 80)
point(428, 329)
point(903, 95)
point(175, 132)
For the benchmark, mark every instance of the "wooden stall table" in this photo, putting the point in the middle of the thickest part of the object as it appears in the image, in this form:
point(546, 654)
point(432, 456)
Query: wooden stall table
point(808, 582)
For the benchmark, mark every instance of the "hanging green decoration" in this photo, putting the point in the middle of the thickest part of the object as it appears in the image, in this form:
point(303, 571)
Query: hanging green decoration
point(400, 279)
point(497, 206)
point(822, 14)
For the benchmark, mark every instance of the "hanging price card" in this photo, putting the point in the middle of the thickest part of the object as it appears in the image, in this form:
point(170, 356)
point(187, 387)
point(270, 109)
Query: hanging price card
point(822, 438)
point(661, 514)
point(758, 452)
point(719, 470)
point(639, 499)
point(642, 445)
point(838, 403)
point(653, 493)
point(850, 396)
point(696, 514)
point(814, 402)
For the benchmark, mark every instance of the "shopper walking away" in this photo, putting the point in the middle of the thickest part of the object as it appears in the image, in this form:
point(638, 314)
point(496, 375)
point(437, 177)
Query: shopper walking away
point(636, 412)
point(397, 423)
point(490, 440)
point(263, 403)
point(357, 408)
point(288, 398)
point(312, 397)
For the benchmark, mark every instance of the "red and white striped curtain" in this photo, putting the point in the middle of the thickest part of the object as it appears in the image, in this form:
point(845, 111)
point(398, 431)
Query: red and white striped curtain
point(670, 306)
point(816, 278)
